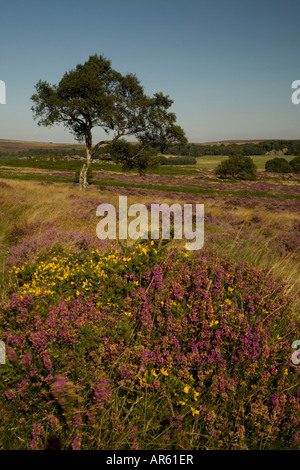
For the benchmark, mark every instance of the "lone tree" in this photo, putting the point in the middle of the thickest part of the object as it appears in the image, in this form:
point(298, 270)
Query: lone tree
point(94, 95)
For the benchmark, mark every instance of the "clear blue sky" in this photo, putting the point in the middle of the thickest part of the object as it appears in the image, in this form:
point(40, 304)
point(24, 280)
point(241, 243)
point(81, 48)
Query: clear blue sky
point(227, 64)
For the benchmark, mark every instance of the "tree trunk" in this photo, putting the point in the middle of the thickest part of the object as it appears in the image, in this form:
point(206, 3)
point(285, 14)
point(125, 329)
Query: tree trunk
point(83, 183)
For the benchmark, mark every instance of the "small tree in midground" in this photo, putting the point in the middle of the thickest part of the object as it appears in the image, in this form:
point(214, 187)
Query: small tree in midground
point(132, 155)
point(94, 95)
point(278, 165)
point(237, 166)
point(295, 164)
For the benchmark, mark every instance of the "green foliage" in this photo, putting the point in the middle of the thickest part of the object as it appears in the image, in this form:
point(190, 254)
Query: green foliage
point(95, 95)
point(145, 348)
point(237, 166)
point(295, 165)
point(131, 156)
point(278, 165)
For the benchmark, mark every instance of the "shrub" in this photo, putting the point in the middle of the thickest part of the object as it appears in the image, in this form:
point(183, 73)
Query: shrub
point(237, 166)
point(278, 165)
point(30, 247)
point(145, 349)
point(19, 232)
point(132, 156)
point(295, 165)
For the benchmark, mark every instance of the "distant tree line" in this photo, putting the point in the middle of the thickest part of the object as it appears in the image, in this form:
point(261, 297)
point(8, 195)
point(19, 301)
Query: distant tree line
point(260, 148)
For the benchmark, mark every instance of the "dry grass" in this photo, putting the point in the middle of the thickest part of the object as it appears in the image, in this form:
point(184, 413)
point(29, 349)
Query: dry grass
point(33, 202)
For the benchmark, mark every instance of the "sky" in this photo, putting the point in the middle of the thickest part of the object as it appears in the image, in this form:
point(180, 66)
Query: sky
point(227, 65)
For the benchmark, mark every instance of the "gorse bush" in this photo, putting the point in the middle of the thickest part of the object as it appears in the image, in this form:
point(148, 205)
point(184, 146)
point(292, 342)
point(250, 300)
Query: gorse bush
point(147, 349)
point(238, 167)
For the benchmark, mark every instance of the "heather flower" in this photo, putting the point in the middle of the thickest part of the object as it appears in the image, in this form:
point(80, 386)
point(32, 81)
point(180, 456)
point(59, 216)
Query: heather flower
point(38, 430)
point(9, 394)
point(77, 420)
point(11, 354)
point(54, 423)
point(76, 444)
point(35, 445)
point(27, 358)
point(47, 362)
point(102, 393)
point(215, 332)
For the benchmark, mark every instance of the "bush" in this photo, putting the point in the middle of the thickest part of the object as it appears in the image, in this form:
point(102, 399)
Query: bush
point(278, 165)
point(147, 349)
point(237, 166)
point(295, 165)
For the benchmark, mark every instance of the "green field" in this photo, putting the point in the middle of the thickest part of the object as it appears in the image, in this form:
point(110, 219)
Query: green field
point(209, 162)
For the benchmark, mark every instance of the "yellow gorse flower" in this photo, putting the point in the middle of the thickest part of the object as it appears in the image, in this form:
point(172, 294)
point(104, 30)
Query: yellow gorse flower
point(194, 411)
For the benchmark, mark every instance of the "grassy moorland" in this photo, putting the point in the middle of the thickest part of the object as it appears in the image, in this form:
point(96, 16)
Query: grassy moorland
point(145, 345)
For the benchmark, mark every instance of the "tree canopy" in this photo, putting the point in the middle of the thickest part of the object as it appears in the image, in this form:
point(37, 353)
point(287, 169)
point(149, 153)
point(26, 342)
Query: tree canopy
point(281, 165)
point(237, 166)
point(295, 165)
point(95, 95)
point(278, 165)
